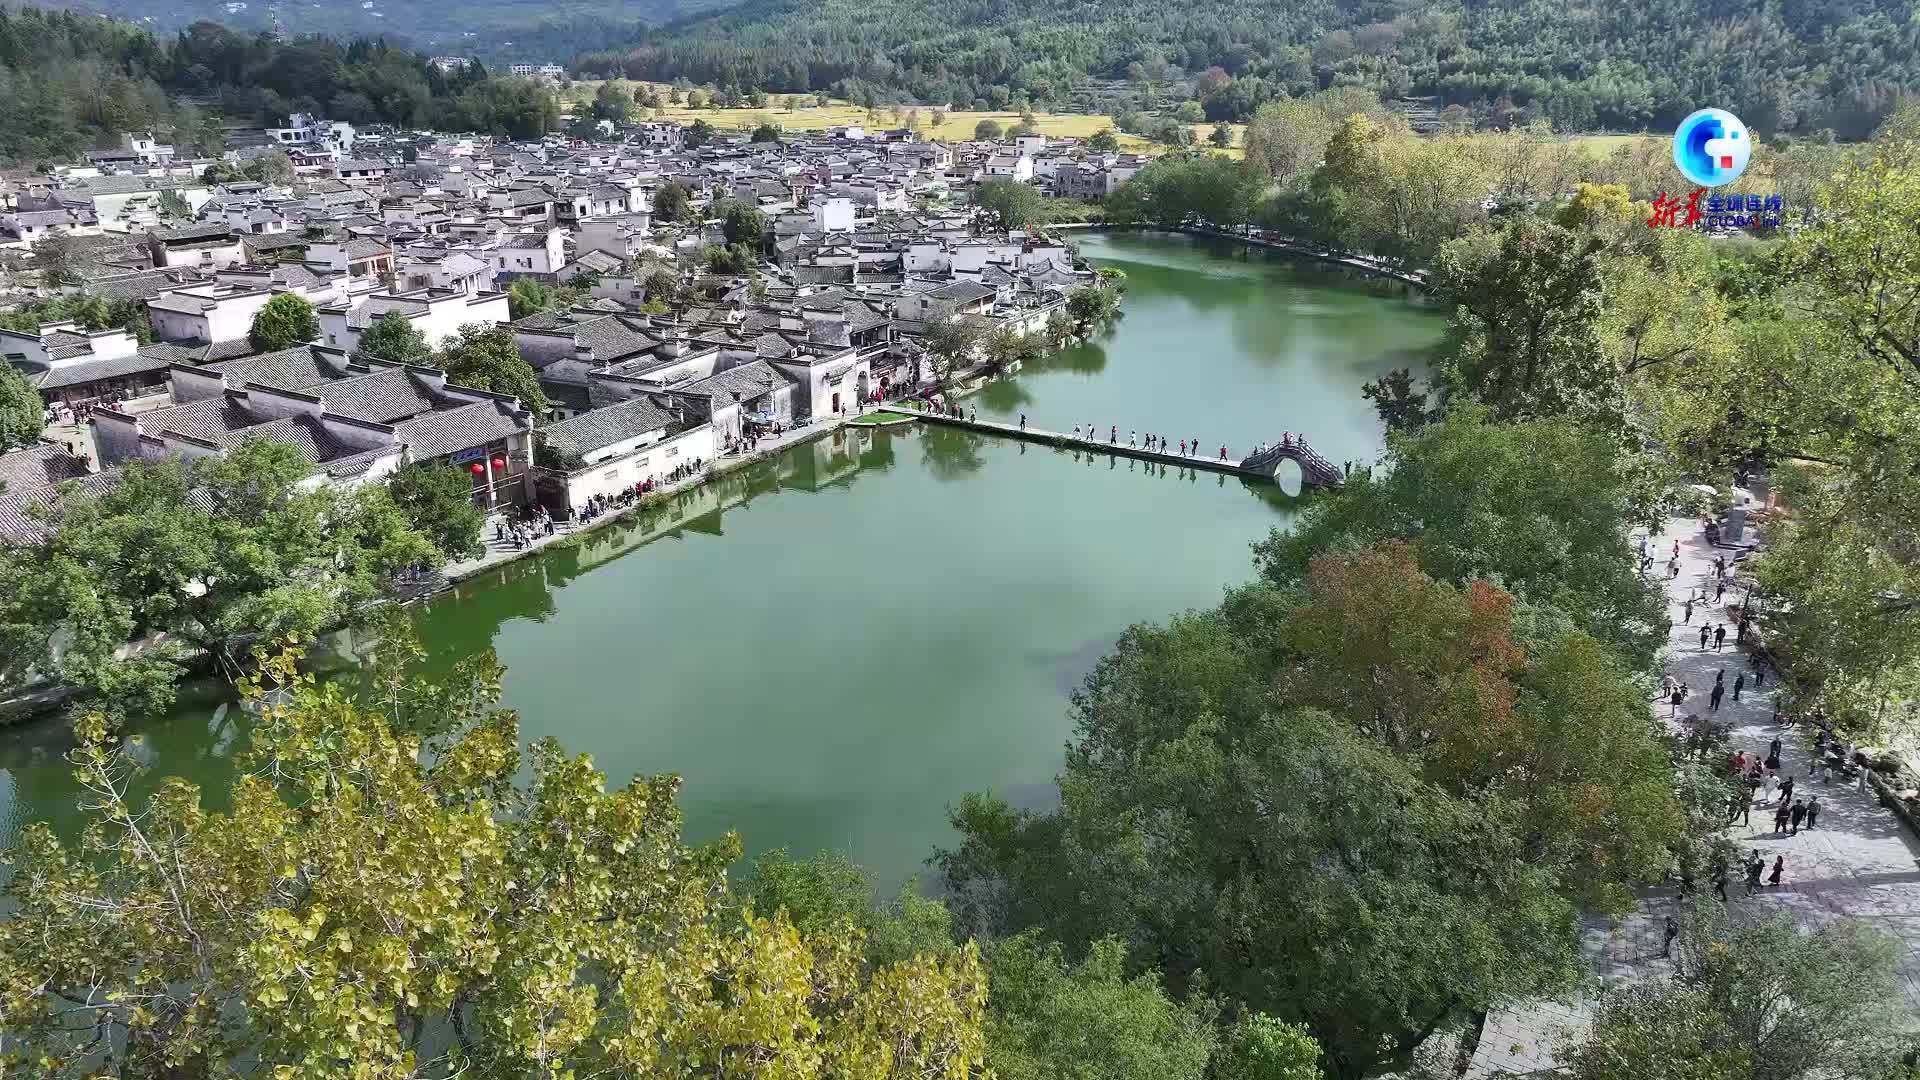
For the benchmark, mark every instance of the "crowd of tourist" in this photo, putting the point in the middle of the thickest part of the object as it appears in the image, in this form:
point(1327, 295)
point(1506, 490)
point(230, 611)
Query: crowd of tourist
point(1756, 780)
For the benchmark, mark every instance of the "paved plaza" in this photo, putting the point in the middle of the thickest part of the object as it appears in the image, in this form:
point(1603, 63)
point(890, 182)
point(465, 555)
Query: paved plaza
point(1860, 863)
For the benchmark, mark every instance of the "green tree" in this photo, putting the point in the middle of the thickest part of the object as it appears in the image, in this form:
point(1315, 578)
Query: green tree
point(729, 259)
point(1263, 1048)
point(1821, 1005)
point(486, 358)
point(1221, 135)
point(201, 557)
point(1179, 188)
point(672, 203)
point(953, 344)
point(438, 503)
point(1047, 1018)
point(765, 133)
point(663, 285)
point(1525, 339)
point(611, 102)
point(830, 891)
point(1091, 305)
point(1104, 140)
point(987, 131)
point(174, 206)
point(1455, 799)
point(273, 167)
point(1540, 507)
point(1399, 400)
point(1005, 204)
point(394, 337)
point(699, 133)
point(22, 414)
point(382, 899)
point(528, 297)
point(53, 256)
point(743, 225)
point(285, 321)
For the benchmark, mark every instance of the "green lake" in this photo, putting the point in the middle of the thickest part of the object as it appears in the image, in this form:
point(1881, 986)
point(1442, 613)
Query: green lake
point(834, 645)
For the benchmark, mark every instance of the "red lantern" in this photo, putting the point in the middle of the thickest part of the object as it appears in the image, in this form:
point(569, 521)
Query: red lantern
point(479, 469)
point(499, 464)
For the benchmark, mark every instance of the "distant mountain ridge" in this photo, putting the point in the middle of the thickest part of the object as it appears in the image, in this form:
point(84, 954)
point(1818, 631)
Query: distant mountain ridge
point(491, 29)
point(1791, 65)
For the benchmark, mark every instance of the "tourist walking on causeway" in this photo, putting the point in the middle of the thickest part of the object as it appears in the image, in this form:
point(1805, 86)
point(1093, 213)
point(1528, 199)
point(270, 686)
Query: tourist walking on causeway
point(1713, 702)
point(1132, 442)
point(1673, 931)
point(1023, 421)
point(1798, 815)
point(1719, 635)
point(1705, 633)
point(1223, 453)
point(1781, 817)
point(1679, 695)
point(1813, 812)
point(1779, 867)
point(1739, 684)
point(1689, 610)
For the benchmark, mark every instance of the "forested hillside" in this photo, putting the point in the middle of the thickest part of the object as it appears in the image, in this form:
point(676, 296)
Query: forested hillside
point(1792, 65)
point(69, 81)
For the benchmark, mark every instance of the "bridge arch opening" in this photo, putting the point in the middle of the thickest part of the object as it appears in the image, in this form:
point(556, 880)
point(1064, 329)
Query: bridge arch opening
point(1288, 477)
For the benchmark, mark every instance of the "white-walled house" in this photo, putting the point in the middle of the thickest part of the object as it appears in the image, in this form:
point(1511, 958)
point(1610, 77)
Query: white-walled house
point(536, 253)
point(25, 228)
point(213, 246)
point(210, 312)
point(832, 215)
point(437, 313)
point(356, 256)
point(614, 448)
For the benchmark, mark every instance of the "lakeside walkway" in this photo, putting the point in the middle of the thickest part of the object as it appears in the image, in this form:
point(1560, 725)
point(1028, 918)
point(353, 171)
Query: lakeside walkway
point(1860, 863)
point(499, 552)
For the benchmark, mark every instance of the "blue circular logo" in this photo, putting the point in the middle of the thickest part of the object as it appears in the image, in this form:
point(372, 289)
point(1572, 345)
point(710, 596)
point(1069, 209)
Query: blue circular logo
point(1711, 147)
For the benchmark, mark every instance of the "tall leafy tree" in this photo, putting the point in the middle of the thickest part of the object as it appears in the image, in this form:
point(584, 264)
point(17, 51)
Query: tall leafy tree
point(285, 321)
point(1539, 507)
point(486, 358)
point(394, 337)
point(1005, 204)
point(1820, 1005)
point(744, 225)
point(387, 897)
point(438, 501)
point(1049, 1018)
point(671, 204)
point(202, 557)
point(1525, 340)
point(1374, 759)
point(22, 414)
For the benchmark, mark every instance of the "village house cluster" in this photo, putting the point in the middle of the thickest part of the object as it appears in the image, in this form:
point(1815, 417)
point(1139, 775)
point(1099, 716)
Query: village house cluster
point(868, 241)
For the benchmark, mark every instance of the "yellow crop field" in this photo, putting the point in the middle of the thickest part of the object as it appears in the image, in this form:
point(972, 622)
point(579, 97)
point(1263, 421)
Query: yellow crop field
point(958, 126)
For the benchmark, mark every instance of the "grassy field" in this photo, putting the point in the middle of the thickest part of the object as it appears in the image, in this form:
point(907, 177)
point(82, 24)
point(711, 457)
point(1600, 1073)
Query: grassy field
point(958, 127)
point(1606, 144)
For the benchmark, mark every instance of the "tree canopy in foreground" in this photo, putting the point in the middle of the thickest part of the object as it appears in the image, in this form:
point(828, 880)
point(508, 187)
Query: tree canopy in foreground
point(193, 558)
point(383, 898)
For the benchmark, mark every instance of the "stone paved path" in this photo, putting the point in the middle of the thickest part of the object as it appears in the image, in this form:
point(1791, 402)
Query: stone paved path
point(1860, 863)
